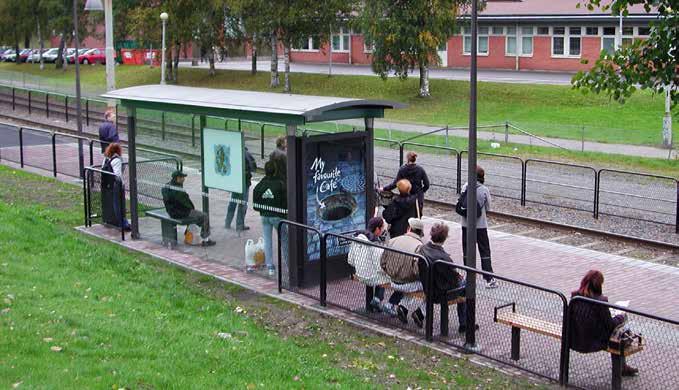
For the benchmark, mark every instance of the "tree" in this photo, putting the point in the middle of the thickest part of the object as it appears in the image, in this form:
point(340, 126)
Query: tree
point(647, 64)
point(406, 34)
point(15, 22)
point(251, 22)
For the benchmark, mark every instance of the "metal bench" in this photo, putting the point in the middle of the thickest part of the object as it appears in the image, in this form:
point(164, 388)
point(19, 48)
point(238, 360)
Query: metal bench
point(168, 225)
point(521, 321)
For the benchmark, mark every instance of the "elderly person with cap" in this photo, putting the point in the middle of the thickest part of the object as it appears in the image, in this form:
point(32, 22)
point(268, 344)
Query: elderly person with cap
point(404, 270)
point(179, 206)
point(417, 177)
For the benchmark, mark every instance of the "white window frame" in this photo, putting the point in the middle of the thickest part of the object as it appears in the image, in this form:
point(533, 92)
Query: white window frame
point(566, 42)
point(341, 34)
point(310, 43)
point(537, 31)
point(624, 37)
point(368, 49)
point(466, 32)
point(608, 36)
point(518, 36)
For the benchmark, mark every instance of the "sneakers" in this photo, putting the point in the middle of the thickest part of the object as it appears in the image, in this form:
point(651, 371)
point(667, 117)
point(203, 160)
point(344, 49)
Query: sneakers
point(208, 242)
point(463, 328)
point(271, 270)
point(492, 284)
point(402, 314)
point(242, 228)
point(418, 318)
point(629, 371)
point(374, 306)
point(389, 310)
point(250, 269)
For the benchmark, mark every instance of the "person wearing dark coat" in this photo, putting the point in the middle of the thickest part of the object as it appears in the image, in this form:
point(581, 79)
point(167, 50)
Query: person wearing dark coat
point(417, 177)
point(591, 325)
point(240, 201)
point(179, 206)
point(445, 278)
point(108, 133)
point(279, 157)
point(402, 208)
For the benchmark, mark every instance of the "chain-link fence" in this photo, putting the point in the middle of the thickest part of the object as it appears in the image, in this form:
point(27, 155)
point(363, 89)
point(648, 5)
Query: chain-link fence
point(299, 274)
point(439, 162)
point(37, 149)
point(562, 185)
point(644, 342)
point(504, 174)
point(10, 144)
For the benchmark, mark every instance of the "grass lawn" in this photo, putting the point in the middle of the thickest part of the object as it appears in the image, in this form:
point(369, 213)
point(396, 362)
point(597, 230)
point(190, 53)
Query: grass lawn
point(76, 312)
point(546, 110)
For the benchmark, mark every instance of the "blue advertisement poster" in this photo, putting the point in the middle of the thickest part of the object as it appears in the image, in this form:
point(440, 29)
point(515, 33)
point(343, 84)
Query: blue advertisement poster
point(223, 165)
point(334, 174)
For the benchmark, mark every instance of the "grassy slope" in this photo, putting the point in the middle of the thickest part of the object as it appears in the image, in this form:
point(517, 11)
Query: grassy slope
point(545, 110)
point(123, 320)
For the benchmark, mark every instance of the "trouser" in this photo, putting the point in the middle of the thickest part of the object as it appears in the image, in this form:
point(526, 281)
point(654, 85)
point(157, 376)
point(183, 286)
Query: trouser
point(239, 201)
point(268, 225)
point(484, 250)
point(201, 219)
point(118, 207)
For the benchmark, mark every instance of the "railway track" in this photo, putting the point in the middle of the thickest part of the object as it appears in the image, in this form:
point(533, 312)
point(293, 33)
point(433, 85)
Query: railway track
point(642, 249)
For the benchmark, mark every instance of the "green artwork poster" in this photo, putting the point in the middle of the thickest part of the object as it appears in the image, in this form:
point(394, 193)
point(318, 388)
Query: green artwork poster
point(223, 162)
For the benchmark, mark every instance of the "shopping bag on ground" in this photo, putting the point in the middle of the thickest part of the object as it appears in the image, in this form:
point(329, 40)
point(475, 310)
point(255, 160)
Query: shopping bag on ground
point(250, 250)
point(192, 235)
point(259, 255)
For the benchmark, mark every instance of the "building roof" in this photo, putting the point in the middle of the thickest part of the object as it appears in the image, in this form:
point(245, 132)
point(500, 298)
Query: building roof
point(249, 105)
point(552, 10)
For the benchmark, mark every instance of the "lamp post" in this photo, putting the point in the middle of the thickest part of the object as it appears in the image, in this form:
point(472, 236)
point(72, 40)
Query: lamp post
point(107, 7)
point(78, 108)
point(163, 17)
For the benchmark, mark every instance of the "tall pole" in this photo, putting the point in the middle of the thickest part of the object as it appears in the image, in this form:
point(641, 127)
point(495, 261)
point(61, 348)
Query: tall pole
point(78, 108)
point(619, 35)
point(163, 17)
point(470, 260)
point(110, 52)
point(667, 118)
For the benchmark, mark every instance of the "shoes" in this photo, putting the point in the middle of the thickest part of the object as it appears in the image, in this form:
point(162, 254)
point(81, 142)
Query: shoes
point(272, 270)
point(492, 284)
point(388, 309)
point(375, 306)
point(629, 371)
point(402, 314)
point(463, 328)
point(418, 317)
point(242, 228)
point(207, 243)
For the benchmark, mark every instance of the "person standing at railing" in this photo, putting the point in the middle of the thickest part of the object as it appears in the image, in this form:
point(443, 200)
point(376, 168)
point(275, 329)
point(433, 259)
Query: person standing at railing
point(113, 163)
point(402, 207)
point(417, 177)
point(483, 199)
point(240, 201)
point(108, 132)
point(592, 325)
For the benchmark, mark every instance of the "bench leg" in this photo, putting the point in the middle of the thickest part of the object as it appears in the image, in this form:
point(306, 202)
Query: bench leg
point(444, 319)
point(369, 294)
point(169, 231)
point(618, 362)
point(516, 343)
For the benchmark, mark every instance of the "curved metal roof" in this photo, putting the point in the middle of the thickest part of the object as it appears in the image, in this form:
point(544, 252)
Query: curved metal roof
point(266, 106)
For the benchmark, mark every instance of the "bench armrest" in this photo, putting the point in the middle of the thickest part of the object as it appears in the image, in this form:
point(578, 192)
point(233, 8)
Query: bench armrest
point(497, 308)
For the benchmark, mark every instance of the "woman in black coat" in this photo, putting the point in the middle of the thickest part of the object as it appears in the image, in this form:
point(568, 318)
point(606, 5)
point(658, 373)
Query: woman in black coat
point(417, 177)
point(591, 325)
point(402, 207)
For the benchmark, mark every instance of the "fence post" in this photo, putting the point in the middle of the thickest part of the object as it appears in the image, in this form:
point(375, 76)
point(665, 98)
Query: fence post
point(91, 152)
point(47, 105)
point(262, 141)
point(162, 125)
point(85, 200)
point(21, 146)
point(565, 349)
point(324, 271)
point(54, 153)
point(459, 172)
point(14, 99)
point(506, 132)
point(400, 154)
point(29, 102)
point(583, 139)
point(121, 199)
point(524, 171)
point(429, 304)
point(597, 188)
point(281, 226)
point(87, 112)
point(66, 107)
point(677, 211)
point(193, 131)
point(446, 135)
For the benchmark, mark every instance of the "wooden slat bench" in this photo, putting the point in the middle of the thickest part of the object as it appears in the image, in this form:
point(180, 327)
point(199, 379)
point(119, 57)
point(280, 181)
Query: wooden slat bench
point(168, 225)
point(550, 329)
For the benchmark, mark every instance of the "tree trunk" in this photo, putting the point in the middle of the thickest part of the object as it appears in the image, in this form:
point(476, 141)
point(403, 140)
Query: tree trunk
point(275, 81)
point(194, 54)
point(254, 54)
point(211, 58)
point(330, 55)
point(16, 49)
point(424, 81)
point(42, 47)
point(176, 62)
point(60, 53)
point(286, 52)
point(27, 41)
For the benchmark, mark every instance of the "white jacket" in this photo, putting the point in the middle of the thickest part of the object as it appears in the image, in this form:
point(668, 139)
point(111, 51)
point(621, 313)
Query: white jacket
point(366, 260)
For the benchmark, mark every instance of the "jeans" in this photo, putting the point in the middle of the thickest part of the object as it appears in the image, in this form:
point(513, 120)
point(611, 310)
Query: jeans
point(201, 219)
point(484, 250)
point(268, 224)
point(118, 208)
point(462, 307)
point(239, 201)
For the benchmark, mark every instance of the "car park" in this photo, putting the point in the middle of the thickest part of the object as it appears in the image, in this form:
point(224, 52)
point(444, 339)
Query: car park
point(93, 56)
point(34, 57)
point(71, 57)
point(50, 55)
point(8, 55)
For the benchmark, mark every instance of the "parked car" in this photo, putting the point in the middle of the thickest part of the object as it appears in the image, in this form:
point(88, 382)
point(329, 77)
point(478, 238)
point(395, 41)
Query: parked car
point(50, 55)
point(34, 57)
point(71, 57)
point(8, 55)
point(23, 55)
point(93, 56)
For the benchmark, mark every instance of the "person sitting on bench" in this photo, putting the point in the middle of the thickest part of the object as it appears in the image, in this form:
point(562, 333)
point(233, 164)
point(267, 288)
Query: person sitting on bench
point(445, 278)
point(179, 206)
point(404, 270)
point(592, 325)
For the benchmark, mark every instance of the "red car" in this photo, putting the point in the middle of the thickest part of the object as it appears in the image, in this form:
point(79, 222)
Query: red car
point(93, 56)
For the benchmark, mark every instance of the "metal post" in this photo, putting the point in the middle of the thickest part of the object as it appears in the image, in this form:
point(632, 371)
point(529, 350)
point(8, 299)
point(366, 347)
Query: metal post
point(79, 121)
point(597, 189)
point(66, 108)
point(324, 272)
point(400, 154)
point(163, 17)
point(85, 202)
point(21, 146)
point(206, 199)
point(110, 51)
point(446, 135)
point(54, 154)
point(524, 171)
point(583, 139)
point(14, 107)
point(677, 211)
point(47, 105)
point(29, 102)
point(162, 125)
point(262, 141)
point(470, 260)
point(667, 120)
point(132, 168)
point(459, 172)
point(369, 124)
point(506, 132)
point(121, 199)
point(193, 131)
point(87, 112)
point(91, 146)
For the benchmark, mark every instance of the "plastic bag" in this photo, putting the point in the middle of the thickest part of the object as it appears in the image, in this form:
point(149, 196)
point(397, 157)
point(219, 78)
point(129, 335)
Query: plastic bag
point(259, 256)
point(192, 235)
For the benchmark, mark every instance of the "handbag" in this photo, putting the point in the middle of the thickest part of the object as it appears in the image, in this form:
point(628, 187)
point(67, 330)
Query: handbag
point(623, 338)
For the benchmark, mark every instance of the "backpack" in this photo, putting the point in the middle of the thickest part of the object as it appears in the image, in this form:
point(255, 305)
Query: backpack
point(461, 206)
point(108, 180)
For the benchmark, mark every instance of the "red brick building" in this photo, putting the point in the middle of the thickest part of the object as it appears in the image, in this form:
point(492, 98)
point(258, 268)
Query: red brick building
point(552, 35)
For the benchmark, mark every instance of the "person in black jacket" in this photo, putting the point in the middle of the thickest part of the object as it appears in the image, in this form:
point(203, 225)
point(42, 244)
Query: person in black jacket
point(591, 325)
point(240, 201)
point(270, 199)
point(279, 157)
point(445, 278)
point(402, 208)
point(417, 177)
point(179, 206)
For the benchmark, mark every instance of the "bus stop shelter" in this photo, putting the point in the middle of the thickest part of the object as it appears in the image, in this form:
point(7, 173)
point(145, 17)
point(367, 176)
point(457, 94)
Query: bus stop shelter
point(288, 110)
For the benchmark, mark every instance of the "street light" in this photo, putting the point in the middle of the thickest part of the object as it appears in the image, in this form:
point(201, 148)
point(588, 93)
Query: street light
point(163, 17)
point(78, 108)
point(107, 7)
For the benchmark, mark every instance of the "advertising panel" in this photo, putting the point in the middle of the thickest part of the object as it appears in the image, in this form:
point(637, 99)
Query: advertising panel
point(223, 160)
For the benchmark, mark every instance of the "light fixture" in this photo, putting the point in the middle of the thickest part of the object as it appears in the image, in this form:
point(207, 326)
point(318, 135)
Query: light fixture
point(164, 16)
point(94, 5)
